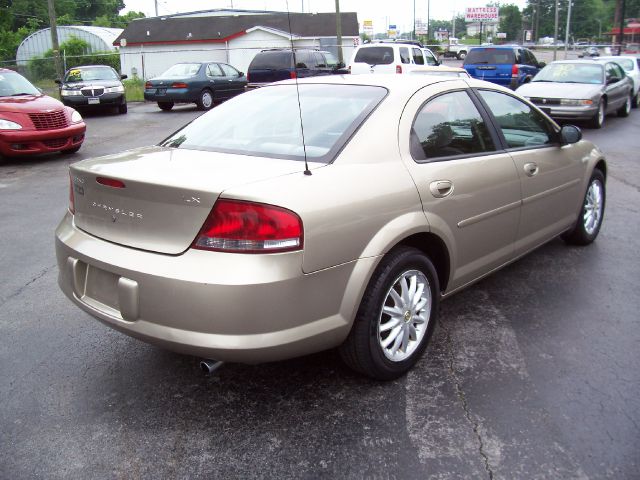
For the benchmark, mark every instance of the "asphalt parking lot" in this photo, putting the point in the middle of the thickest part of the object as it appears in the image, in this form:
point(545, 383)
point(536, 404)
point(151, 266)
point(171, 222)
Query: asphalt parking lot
point(533, 373)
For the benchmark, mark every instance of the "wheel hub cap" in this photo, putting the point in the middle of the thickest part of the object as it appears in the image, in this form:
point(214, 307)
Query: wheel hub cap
point(592, 207)
point(405, 315)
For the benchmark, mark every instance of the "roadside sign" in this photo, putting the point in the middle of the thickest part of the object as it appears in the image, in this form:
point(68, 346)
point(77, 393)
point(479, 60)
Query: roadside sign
point(481, 14)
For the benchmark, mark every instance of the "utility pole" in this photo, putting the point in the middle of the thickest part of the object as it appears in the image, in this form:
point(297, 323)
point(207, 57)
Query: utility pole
point(155, 2)
point(555, 34)
point(54, 39)
point(536, 27)
point(566, 34)
point(339, 32)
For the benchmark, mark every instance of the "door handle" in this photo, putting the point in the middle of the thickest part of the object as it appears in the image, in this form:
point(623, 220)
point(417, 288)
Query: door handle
point(531, 169)
point(441, 188)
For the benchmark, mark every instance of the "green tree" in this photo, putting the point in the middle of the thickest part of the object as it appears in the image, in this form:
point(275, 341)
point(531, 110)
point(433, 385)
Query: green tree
point(510, 21)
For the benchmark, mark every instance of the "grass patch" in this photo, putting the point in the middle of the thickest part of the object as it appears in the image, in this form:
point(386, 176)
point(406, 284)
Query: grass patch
point(49, 87)
point(134, 89)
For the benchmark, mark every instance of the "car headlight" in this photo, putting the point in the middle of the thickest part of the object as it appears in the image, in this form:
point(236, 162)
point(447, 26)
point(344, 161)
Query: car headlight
point(9, 125)
point(70, 93)
point(569, 102)
point(76, 117)
point(118, 89)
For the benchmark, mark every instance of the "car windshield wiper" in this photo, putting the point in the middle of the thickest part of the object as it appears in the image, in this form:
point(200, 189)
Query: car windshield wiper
point(20, 94)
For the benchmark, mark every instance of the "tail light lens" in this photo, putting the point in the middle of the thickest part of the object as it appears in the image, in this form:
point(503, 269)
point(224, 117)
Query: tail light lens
point(178, 85)
point(72, 200)
point(349, 68)
point(398, 68)
point(247, 77)
point(293, 74)
point(147, 85)
point(247, 227)
point(514, 71)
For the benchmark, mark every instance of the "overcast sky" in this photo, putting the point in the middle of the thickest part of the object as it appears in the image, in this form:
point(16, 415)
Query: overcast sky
point(382, 12)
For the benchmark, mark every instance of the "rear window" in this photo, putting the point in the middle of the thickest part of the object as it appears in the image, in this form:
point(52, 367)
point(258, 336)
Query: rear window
point(490, 56)
point(266, 122)
point(181, 70)
point(375, 55)
point(272, 60)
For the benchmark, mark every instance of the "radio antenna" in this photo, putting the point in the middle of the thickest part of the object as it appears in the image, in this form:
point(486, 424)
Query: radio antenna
point(295, 68)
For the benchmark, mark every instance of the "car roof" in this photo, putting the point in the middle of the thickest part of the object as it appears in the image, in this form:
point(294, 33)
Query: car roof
point(591, 62)
point(439, 68)
point(498, 47)
point(395, 83)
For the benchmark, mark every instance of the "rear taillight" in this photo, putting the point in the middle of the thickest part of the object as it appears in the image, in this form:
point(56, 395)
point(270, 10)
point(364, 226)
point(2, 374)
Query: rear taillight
point(247, 227)
point(398, 68)
point(247, 77)
point(514, 71)
point(293, 74)
point(349, 68)
point(179, 85)
point(147, 85)
point(110, 182)
point(72, 200)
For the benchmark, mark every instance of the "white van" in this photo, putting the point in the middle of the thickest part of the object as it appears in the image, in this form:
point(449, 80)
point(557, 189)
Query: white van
point(390, 57)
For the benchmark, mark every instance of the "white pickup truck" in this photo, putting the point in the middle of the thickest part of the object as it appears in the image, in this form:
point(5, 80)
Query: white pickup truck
point(454, 49)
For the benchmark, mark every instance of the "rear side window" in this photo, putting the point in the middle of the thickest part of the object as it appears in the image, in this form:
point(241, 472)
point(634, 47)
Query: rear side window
point(626, 63)
point(450, 124)
point(404, 55)
point(521, 125)
point(213, 70)
point(418, 58)
point(272, 60)
point(490, 56)
point(375, 55)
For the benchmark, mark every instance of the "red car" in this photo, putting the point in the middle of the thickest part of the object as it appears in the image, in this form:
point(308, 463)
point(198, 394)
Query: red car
point(31, 122)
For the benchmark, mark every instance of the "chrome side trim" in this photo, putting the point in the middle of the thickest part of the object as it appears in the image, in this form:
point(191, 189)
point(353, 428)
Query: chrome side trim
point(490, 213)
point(551, 191)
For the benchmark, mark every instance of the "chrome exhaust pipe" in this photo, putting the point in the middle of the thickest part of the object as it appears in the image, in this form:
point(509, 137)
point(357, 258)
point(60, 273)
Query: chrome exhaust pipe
point(210, 366)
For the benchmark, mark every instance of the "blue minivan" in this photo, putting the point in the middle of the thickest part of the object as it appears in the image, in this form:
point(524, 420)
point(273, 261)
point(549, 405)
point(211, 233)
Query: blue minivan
point(506, 65)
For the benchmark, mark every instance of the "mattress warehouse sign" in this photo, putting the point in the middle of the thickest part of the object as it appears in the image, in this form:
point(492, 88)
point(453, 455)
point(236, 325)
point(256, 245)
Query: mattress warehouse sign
point(482, 14)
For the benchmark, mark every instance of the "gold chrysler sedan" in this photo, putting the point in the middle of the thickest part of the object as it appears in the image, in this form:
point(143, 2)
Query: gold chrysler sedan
point(328, 212)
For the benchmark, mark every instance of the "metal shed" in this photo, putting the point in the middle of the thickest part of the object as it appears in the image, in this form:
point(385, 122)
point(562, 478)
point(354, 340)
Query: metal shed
point(100, 39)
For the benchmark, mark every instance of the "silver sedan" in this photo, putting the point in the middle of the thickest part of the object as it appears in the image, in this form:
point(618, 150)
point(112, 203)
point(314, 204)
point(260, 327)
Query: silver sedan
point(245, 237)
point(581, 90)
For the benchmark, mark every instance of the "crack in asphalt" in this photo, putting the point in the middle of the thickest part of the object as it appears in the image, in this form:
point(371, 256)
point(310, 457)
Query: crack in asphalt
point(463, 400)
point(26, 285)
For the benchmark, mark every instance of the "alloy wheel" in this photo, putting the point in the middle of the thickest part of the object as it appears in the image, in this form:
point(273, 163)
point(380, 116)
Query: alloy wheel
point(404, 319)
point(592, 214)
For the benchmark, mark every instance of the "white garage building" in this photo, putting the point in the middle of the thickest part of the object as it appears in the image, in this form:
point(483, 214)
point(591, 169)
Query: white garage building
point(149, 46)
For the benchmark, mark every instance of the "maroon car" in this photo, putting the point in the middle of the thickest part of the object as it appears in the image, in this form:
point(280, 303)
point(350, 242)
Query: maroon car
point(31, 122)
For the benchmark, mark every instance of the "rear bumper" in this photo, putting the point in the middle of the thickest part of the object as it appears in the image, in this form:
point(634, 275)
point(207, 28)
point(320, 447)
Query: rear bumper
point(178, 95)
point(231, 307)
point(28, 142)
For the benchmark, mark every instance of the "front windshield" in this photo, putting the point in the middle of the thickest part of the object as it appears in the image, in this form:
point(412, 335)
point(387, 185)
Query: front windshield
point(13, 84)
point(91, 73)
point(590, 73)
point(181, 70)
point(266, 122)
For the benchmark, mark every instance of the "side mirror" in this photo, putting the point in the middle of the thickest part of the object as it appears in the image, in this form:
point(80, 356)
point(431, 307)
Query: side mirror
point(542, 64)
point(339, 65)
point(58, 81)
point(123, 76)
point(241, 74)
point(570, 134)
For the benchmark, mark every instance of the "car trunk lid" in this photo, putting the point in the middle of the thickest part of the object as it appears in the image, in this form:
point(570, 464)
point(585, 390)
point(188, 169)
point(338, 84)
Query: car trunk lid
point(158, 198)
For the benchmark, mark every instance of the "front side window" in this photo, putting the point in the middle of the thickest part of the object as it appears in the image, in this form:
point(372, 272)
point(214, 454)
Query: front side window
point(418, 58)
point(521, 125)
point(228, 70)
point(449, 125)
point(266, 122)
point(430, 59)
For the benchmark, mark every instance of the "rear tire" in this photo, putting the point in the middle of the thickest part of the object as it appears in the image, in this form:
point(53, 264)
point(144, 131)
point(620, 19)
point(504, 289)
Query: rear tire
point(591, 214)
point(205, 101)
point(625, 109)
point(165, 106)
point(396, 316)
point(598, 120)
point(462, 55)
